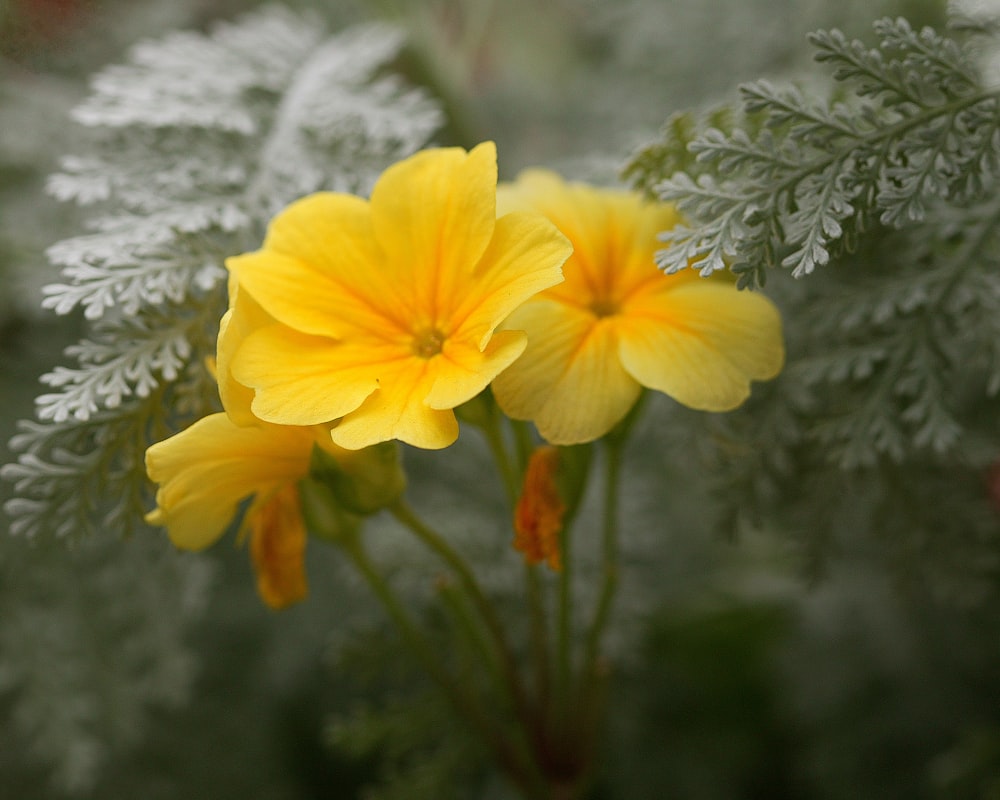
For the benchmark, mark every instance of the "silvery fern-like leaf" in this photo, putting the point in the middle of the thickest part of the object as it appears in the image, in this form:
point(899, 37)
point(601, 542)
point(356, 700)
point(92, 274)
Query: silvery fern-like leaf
point(188, 149)
point(913, 122)
point(92, 642)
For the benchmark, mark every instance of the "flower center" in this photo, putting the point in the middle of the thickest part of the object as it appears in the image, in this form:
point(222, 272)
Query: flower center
point(427, 343)
point(603, 307)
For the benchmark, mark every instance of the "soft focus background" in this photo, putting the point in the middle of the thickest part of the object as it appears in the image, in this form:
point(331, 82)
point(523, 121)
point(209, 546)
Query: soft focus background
point(744, 668)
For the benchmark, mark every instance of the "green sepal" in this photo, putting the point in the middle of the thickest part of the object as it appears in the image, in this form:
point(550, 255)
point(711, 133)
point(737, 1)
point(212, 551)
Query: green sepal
point(479, 411)
point(325, 516)
point(362, 481)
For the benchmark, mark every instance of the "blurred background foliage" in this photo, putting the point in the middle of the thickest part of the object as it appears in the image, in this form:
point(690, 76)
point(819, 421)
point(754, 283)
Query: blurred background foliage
point(758, 665)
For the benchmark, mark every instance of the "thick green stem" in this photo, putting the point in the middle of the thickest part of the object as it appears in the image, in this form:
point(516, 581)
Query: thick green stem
point(539, 631)
point(609, 558)
point(536, 603)
point(436, 543)
point(455, 600)
point(514, 761)
point(615, 442)
point(509, 473)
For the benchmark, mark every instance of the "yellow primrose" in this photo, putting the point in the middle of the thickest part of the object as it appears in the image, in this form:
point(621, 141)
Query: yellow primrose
point(206, 470)
point(386, 311)
point(617, 324)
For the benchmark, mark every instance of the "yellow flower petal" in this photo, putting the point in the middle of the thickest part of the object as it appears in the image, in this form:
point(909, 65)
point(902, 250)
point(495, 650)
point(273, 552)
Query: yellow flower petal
point(434, 214)
point(569, 381)
point(463, 371)
point(606, 227)
point(321, 271)
point(207, 469)
point(702, 343)
point(522, 259)
point(243, 317)
point(307, 380)
point(397, 410)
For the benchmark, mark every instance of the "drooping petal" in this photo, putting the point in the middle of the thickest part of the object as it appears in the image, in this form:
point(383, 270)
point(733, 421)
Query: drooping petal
point(702, 343)
point(569, 381)
point(307, 380)
point(397, 410)
point(277, 547)
point(243, 317)
point(538, 516)
point(523, 258)
point(434, 214)
point(321, 271)
point(462, 371)
point(207, 469)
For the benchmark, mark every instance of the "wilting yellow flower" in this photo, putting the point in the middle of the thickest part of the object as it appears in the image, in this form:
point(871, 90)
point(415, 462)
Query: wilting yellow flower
point(206, 470)
point(386, 310)
point(538, 517)
point(617, 324)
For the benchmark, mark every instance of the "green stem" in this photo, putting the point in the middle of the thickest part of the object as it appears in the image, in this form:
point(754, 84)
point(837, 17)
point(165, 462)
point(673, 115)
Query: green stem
point(523, 442)
point(515, 762)
point(508, 472)
point(609, 558)
point(565, 618)
point(539, 630)
point(615, 442)
point(512, 482)
point(402, 511)
point(456, 602)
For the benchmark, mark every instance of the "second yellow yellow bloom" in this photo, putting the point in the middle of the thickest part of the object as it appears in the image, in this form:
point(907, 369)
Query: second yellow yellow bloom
point(617, 324)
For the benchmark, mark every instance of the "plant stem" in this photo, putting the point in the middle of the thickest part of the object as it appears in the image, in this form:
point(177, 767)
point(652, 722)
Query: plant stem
point(402, 511)
point(564, 620)
point(539, 631)
point(515, 762)
point(609, 558)
point(533, 587)
point(508, 472)
point(615, 442)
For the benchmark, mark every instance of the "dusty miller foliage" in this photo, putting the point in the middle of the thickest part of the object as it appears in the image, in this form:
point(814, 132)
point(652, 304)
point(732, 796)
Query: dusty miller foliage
point(186, 151)
point(92, 640)
point(884, 198)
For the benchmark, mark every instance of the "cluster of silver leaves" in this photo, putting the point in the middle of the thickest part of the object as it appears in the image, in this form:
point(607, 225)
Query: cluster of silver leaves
point(192, 146)
point(918, 123)
point(884, 194)
point(183, 154)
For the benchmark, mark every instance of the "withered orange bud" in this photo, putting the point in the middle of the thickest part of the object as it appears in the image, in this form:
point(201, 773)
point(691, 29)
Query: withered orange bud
point(538, 518)
point(277, 548)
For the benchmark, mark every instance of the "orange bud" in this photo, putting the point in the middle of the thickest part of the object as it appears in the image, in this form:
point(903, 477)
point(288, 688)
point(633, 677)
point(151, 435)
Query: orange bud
point(539, 514)
point(277, 548)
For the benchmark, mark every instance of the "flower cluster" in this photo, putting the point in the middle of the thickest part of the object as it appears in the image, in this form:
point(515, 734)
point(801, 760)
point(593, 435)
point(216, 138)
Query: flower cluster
point(360, 322)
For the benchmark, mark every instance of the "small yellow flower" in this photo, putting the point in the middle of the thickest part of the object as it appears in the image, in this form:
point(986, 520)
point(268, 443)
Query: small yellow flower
point(206, 470)
point(617, 324)
point(386, 311)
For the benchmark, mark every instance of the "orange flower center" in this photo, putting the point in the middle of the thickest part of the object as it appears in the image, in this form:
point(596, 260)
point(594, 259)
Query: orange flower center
point(428, 342)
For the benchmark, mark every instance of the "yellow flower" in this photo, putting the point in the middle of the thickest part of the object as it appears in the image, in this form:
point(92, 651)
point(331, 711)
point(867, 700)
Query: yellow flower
point(617, 324)
point(206, 470)
point(386, 310)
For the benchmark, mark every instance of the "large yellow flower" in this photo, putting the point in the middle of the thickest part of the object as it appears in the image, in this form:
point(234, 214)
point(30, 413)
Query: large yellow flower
point(386, 312)
point(617, 324)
